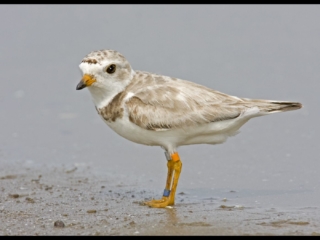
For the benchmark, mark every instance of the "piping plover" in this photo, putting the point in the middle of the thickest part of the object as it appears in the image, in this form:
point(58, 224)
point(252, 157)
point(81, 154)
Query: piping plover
point(163, 111)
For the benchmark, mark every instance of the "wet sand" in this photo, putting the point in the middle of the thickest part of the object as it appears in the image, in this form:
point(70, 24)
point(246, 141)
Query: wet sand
point(76, 201)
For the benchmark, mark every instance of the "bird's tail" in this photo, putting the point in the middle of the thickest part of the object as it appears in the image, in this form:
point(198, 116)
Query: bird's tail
point(276, 106)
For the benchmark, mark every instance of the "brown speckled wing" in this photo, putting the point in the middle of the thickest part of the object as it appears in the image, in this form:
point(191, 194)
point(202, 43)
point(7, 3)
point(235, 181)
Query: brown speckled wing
point(162, 103)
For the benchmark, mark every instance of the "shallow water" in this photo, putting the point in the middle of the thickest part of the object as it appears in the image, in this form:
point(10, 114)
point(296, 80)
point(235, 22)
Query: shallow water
point(263, 181)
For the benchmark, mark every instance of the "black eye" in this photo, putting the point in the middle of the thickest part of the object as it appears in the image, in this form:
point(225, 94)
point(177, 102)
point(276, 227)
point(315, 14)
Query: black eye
point(111, 68)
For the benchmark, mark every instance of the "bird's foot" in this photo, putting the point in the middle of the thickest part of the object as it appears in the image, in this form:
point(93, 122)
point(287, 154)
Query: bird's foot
point(160, 203)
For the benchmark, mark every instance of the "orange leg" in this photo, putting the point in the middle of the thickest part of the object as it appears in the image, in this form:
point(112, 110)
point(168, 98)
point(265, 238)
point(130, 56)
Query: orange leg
point(170, 166)
point(174, 165)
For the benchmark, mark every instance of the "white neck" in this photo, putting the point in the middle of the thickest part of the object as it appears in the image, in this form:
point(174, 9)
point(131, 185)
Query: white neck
point(103, 93)
point(102, 96)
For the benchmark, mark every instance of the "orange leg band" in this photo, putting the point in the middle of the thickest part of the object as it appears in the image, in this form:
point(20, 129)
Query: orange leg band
point(175, 157)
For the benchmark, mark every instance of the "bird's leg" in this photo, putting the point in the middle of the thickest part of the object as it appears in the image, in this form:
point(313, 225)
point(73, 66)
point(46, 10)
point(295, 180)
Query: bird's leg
point(174, 165)
point(166, 193)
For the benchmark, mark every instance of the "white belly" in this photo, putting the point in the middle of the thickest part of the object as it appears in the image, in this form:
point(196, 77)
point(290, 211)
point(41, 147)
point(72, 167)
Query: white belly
point(211, 133)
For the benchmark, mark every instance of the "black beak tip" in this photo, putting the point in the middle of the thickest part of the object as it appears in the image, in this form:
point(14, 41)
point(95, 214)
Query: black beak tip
point(80, 86)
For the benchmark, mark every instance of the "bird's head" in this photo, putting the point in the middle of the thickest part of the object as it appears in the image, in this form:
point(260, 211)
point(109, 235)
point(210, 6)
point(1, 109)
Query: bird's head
point(106, 69)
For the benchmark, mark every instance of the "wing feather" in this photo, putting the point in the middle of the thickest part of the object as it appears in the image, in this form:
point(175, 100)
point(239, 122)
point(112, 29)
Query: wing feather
point(163, 103)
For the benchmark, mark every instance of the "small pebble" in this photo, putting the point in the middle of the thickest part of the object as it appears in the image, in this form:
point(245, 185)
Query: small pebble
point(226, 207)
point(59, 224)
point(14, 195)
point(30, 200)
point(132, 223)
point(92, 211)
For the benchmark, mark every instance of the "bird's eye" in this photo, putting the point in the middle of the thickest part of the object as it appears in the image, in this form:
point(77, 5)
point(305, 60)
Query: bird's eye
point(111, 69)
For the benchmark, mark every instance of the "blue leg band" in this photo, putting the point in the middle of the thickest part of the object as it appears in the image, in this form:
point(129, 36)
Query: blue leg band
point(166, 193)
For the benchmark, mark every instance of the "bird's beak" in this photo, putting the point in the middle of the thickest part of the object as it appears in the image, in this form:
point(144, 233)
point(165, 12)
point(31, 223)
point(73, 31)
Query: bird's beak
point(86, 81)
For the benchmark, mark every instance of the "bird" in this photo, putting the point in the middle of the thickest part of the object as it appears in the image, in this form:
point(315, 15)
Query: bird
point(156, 110)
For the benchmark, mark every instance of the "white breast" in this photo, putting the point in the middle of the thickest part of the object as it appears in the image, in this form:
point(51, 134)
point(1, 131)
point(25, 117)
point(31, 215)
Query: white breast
point(212, 133)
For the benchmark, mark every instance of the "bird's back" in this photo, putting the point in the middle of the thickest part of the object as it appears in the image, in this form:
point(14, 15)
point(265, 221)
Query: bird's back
point(161, 102)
